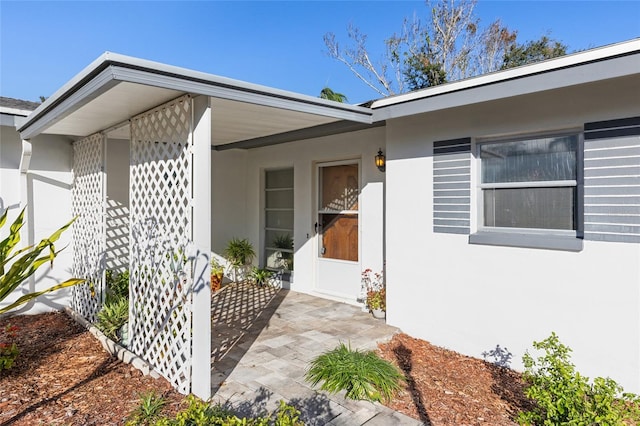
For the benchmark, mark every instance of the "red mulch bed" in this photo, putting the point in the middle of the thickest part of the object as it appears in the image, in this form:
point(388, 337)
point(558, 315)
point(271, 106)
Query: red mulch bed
point(64, 376)
point(446, 388)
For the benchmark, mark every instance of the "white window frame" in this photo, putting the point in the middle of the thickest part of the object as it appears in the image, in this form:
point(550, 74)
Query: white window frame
point(529, 237)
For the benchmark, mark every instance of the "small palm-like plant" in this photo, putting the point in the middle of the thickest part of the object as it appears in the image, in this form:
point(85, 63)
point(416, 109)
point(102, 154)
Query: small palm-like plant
point(148, 410)
point(260, 275)
point(113, 316)
point(362, 374)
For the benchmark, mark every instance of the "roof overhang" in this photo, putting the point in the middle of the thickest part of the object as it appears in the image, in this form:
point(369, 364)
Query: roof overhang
point(115, 88)
point(596, 65)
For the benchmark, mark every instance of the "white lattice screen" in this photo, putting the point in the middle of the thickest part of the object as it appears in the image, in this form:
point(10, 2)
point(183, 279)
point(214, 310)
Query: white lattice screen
point(89, 227)
point(161, 233)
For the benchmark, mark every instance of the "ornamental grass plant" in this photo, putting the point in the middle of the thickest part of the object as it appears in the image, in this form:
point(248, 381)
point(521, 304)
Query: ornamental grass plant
point(362, 374)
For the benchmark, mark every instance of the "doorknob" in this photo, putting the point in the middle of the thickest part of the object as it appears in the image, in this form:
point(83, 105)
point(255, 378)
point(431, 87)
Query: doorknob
point(316, 227)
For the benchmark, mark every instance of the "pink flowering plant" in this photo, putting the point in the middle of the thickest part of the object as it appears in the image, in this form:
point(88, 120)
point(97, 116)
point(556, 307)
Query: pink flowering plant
point(8, 348)
point(373, 289)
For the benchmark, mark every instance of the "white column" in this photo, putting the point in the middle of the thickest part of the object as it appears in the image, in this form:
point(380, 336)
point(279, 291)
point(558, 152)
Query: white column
point(27, 232)
point(201, 322)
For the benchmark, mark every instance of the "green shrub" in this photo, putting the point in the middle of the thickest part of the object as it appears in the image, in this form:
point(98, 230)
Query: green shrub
point(8, 348)
point(117, 285)
point(200, 413)
point(112, 317)
point(363, 375)
point(564, 397)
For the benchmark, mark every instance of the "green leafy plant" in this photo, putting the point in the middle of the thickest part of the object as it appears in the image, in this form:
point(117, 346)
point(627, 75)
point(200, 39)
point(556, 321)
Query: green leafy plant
point(16, 265)
point(112, 317)
point(564, 397)
point(260, 276)
point(148, 410)
point(199, 413)
point(363, 375)
point(117, 285)
point(239, 252)
point(8, 348)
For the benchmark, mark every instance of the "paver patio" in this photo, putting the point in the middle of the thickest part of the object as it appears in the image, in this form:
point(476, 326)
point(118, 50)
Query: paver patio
point(263, 340)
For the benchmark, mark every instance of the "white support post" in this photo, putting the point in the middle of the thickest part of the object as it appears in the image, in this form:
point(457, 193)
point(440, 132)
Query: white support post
point(27, 233)
point(201, 322)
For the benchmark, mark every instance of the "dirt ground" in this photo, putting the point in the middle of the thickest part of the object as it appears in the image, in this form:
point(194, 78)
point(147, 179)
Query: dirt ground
point(63, 376)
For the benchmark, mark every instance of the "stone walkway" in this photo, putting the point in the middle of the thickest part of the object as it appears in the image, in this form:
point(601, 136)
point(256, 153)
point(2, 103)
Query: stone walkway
point(263, 340)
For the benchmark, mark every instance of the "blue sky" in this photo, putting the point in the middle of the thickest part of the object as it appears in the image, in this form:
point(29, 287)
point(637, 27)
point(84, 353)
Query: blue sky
point(278, 44)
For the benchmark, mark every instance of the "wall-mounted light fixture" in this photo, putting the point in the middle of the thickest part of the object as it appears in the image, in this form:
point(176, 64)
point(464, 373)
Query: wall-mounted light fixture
point(380, 161)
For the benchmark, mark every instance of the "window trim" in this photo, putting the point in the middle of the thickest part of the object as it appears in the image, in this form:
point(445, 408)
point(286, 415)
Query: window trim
point(553, 239)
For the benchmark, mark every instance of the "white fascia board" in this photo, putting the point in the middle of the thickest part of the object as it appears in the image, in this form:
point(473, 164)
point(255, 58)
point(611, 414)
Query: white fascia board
point(66, 103)
point(84, 87)
point(584, 67)
point(215, 80)
point(241, 94)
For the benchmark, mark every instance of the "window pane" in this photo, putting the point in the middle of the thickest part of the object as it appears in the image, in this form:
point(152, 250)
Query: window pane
point(542, 208)
point(279, 199)
point(279, 178)
point(339, 187)
point(543, 159)
point(279, 219)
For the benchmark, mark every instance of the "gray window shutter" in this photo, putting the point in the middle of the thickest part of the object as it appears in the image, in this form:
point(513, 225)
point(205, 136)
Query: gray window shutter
point(612, 180)
point(452, 186)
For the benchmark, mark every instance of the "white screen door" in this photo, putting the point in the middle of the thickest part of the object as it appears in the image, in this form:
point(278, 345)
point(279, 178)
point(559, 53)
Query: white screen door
point(338, 236)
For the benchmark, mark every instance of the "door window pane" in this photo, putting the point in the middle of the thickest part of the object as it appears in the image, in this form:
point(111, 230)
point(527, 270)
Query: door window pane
point(339, 187)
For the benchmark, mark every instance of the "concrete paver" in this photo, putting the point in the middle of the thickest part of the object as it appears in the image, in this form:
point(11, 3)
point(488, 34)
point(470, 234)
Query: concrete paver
point(270, 335)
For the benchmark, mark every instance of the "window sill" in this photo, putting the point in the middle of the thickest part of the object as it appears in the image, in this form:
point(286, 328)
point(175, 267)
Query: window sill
point(536, 241)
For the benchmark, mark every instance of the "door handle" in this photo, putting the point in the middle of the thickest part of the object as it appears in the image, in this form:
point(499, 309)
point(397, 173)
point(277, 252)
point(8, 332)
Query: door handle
point(316, 227)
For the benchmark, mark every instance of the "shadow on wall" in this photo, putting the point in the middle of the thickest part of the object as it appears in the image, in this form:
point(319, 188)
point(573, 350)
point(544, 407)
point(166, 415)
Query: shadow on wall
point(239, 313)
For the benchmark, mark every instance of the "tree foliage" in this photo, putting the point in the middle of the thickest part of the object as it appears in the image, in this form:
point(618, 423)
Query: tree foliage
point(448, 45)
point(327, 93)
point(533, 51)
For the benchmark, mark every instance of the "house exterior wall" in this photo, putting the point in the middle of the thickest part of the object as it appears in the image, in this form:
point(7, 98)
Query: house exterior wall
point(238, 192)
point(117, 168)
point(48, 208)
point(470, 298)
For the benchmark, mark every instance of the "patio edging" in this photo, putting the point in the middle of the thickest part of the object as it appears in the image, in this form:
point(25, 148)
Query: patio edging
point(120, 352)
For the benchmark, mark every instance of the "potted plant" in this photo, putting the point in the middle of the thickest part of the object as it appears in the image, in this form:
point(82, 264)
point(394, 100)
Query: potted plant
point(239, 253)
point(285, 257)
point(217, 272)
point(260, 276)
point(375, 292)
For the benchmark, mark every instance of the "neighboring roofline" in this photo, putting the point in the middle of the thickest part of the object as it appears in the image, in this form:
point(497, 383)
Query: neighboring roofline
point(613, 51)
point(111, 68)
point(15, 111)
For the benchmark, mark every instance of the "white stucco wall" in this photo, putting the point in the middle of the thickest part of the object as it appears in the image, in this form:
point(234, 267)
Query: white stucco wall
point(470, 298)
point(238, 197)
point(48, 207)
point(117, 168)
